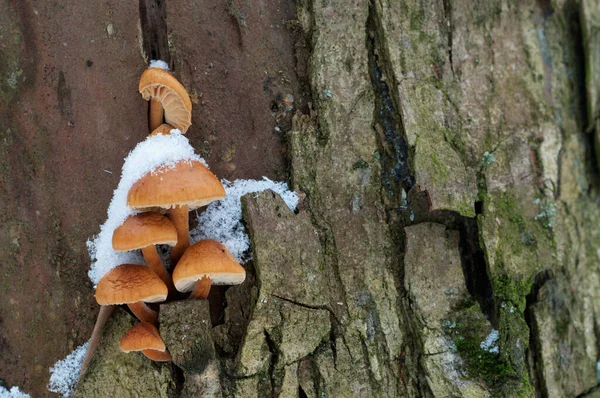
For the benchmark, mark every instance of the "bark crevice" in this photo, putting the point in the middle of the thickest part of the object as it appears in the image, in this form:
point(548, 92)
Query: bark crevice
point(153, 22)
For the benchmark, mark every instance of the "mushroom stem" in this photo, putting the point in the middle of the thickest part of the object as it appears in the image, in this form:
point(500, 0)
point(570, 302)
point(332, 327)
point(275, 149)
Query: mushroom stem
point(156, 114)
point(201, 288)
point(155, 264)
point(103, 315)
point(180, 217)
point(143, 312)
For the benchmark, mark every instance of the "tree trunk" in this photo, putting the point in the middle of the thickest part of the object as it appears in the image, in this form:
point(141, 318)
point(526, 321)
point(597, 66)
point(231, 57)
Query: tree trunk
point(446, 242)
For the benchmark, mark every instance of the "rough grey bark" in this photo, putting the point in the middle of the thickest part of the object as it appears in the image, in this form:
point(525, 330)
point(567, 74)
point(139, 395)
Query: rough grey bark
point(449, 189)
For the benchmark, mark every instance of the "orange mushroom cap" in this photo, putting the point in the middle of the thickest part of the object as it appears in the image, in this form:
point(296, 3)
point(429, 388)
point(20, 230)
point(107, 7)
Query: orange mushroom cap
point(157, 356)
point(161, 85)
point(130, 283)
point(207, 258)
point(142, 336)
point(164, 129)
point(189, 183)
point(143, 230)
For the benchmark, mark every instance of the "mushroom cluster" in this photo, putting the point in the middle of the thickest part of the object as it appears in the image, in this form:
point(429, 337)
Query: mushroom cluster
point(163, 199)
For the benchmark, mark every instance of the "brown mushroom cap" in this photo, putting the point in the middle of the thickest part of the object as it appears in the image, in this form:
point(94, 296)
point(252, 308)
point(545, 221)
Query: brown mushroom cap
point(129, 283)
point(164, 129)
point(207, 258)
point(189, 183)
point(157, 356)
point(160, 85)
point(143, 230)
point(143, 336)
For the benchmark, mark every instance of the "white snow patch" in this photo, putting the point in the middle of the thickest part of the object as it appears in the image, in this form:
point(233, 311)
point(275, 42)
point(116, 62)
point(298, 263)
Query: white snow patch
point(157, 63)
point(65, 373)
point(491, 342)
point(12, 393)
point(154, 152)
point(222, 219)
point(598, 371)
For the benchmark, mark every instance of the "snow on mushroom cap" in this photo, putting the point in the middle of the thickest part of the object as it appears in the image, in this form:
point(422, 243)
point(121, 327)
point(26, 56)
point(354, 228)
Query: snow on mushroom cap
point(149, 155)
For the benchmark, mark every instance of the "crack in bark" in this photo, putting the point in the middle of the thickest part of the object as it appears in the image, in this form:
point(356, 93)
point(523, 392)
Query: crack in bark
point(398, 179)
point(448, 13)
point(334, 332)
point(417, 208)
point(299, 304)
point(153, 21)
point(589, 392)
point(534, 345)
point(273, 359)
point(396, 172)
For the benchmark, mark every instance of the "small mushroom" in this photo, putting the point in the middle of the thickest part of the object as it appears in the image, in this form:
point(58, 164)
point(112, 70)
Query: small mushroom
point(144, 231)
point(186, 186)
point(166, 95)
point(205, 263)
point(130, 284)
point(142, 336)
point(145, 337)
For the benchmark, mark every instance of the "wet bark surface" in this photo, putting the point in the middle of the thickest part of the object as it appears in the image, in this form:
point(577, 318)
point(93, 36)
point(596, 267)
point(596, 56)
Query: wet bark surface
point(443, 151)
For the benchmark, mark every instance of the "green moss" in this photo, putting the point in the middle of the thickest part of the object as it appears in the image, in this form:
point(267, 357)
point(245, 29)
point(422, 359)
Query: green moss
point(511, 291)
point(440, 168)
point(361, 164)
point(468, 328)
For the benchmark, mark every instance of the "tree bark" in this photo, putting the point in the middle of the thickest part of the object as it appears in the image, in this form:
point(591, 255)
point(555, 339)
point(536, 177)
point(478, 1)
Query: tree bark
point(447, 245)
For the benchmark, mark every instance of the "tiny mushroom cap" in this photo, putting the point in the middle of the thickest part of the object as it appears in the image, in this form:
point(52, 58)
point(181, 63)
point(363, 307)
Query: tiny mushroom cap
point(160, 85)
point(130, 283)
point(188, 183)
point(142, 336)
point(164, 129)
point(207, 258)
point(143, 230)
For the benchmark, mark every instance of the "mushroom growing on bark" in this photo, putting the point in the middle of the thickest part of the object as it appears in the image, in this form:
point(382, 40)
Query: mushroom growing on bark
point(131, 284)
point(167, 96)
point(205, 263)
point(145, 337)
point(144, 231)
point(186, 186)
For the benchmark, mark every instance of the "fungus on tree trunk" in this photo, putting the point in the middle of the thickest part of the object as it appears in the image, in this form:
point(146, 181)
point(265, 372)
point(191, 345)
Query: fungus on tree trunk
point(205, 263)
point(145, 337)
point(186, 186)
point(144, 231)
point(166, 94)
